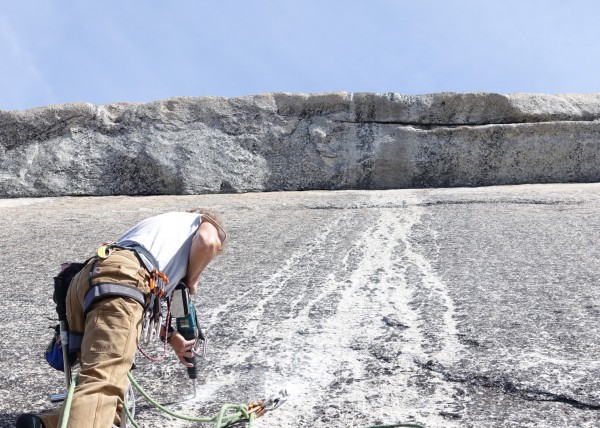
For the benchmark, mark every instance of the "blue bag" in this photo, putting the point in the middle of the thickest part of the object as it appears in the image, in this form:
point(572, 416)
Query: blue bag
point(54, 354)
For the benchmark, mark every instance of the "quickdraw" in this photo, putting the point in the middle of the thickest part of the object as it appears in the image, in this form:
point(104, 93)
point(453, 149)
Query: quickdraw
point(260, 407)
point(152, 314)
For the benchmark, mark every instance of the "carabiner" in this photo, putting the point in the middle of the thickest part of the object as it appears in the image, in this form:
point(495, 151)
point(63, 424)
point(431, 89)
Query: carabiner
point(147, 330)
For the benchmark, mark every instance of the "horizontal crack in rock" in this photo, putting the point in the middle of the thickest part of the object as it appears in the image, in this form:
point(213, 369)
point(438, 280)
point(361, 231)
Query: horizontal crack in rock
point(433, 126)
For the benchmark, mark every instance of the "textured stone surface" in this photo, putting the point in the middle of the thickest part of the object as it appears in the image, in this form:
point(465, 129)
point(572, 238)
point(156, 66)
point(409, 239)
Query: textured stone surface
point(452, 307)
point(284, 141)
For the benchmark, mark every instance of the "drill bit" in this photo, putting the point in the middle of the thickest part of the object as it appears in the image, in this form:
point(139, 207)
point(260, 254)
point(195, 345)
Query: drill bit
point(194, 382)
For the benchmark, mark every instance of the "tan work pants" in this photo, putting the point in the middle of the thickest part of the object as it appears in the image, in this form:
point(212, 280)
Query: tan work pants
point(110, 330)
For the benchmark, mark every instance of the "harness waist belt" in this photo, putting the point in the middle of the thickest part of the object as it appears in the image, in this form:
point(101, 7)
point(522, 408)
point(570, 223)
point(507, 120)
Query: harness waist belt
point(110, 289)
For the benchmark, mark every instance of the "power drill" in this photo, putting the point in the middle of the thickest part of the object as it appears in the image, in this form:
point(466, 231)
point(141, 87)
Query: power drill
point(182, 309)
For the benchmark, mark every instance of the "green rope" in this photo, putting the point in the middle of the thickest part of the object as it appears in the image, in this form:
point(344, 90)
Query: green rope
point(221, 420)
point(68, 401)
point(130, 416)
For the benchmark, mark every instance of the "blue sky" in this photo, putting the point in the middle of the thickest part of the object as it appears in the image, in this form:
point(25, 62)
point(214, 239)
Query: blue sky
point(58, 51)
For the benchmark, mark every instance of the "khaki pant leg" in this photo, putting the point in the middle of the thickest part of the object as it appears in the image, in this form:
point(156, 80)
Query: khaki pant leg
point(111, 328)
point(106, 357)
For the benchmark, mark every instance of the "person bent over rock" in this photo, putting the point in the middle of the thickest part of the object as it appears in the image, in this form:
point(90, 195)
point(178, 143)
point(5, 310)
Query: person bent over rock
point(106, 302)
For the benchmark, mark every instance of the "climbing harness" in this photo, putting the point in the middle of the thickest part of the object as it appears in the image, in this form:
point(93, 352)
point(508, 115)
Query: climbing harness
point(157, 284)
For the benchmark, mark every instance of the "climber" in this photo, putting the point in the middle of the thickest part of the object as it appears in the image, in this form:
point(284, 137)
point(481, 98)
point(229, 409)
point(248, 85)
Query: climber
point(107, 301)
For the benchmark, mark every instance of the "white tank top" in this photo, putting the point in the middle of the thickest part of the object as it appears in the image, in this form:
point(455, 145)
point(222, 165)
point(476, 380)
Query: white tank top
point(168, 238)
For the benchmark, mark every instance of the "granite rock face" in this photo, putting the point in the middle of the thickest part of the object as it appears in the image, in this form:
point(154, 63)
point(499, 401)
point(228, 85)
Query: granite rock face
point(286, 141)
point(471, 307)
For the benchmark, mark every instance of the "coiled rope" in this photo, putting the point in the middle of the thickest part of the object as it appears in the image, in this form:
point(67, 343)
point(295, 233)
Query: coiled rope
point(224, 418)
